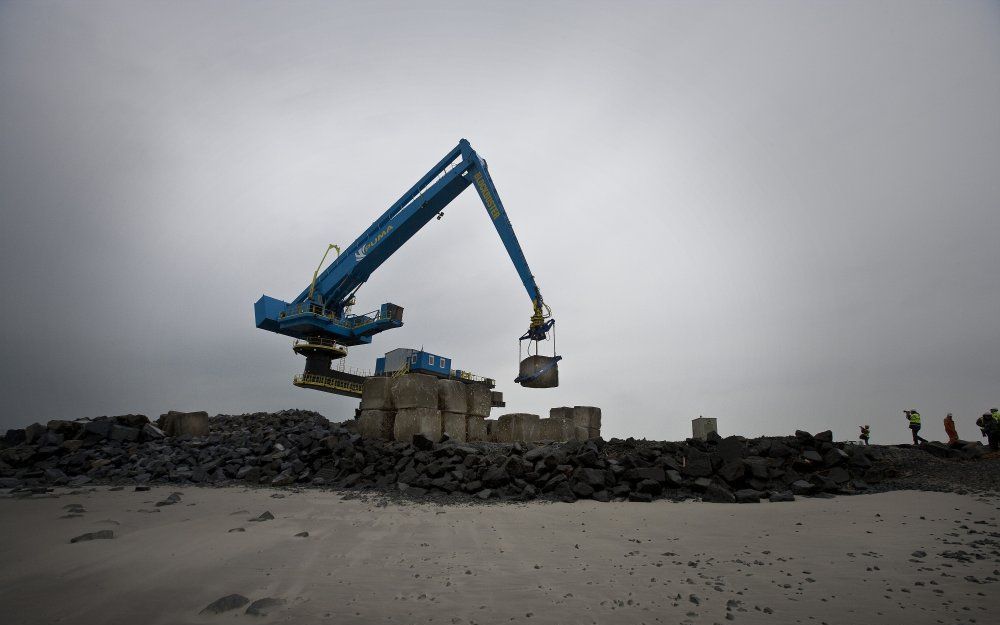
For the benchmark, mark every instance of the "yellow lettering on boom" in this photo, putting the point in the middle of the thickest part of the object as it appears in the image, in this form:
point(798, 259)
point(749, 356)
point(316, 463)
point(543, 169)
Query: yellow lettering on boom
point(484, 190)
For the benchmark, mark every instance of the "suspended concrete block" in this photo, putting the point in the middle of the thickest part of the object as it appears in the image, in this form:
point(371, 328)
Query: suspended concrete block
point(539, 372)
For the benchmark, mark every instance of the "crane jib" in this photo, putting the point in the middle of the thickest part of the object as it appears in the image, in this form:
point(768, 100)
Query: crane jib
point(323, 311)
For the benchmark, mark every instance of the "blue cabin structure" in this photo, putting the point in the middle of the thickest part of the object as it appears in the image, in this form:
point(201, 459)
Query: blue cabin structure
point(415, 360)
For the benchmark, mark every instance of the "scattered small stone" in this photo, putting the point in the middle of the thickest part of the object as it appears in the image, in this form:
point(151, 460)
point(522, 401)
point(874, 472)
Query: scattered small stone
point(225, 604)
point(262, 607)
point(302, 535)
point(100, 535)
point(266, 516)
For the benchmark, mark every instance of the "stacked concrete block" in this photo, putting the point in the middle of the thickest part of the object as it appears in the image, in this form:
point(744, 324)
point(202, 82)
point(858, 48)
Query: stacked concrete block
point(376, 395)
point(377, 416)
point(183, 423)
point(414, 390)
point(492, 431)
point(376, 424)
point(415, 397)
point(479, 399)
point(592, 416)
point(558, 429)
point(475, 429)
point(453, 402)
point(410, 421)
point(453, 424)
point(517, 427)
point(586, 420)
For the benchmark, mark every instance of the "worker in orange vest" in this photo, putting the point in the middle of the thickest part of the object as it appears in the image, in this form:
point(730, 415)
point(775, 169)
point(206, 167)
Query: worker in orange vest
point(949, 428)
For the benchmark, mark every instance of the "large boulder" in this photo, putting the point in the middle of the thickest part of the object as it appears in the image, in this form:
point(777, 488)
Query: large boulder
point(716, 493)
point(183, 423)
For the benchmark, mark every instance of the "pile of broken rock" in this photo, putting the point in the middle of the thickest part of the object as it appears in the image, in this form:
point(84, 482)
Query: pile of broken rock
point(305, 449)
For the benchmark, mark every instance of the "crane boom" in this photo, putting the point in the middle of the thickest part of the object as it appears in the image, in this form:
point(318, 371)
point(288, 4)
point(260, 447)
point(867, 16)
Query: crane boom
point(320, 311)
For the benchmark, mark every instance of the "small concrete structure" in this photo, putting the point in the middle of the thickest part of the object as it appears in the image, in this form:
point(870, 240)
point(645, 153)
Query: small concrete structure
point(376, 424)
point(454, 425)
point(410, 421)
point(701, 427)
point(184, 423)
point(475, 428)
point(375, 394)
point(414, 390)
point(517, 427)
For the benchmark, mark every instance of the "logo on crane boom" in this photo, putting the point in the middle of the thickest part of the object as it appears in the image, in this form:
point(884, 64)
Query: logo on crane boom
point(484, 190)
point(360, 254)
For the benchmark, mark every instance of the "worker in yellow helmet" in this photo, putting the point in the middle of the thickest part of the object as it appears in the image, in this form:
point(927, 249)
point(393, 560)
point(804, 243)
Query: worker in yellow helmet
point(914, 418)
point(866, 432)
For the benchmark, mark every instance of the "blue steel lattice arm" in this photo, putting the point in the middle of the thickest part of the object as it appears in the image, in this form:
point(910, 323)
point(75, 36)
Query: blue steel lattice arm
point(323, 314)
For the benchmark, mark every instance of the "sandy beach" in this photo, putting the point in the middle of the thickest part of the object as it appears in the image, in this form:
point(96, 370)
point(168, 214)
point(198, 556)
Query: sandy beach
point(842, 560)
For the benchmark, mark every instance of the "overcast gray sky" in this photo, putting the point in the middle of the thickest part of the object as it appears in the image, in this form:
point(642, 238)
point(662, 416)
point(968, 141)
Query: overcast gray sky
point(783, 215)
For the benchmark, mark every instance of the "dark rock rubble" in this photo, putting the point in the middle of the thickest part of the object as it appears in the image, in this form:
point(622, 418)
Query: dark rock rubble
point(302, 448)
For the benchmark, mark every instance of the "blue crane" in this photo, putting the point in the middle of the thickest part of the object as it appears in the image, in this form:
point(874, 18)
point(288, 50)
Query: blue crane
point(321, 315)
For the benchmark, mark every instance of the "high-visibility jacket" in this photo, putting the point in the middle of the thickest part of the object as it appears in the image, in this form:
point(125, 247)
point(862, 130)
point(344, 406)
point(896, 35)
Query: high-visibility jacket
point(996, 417)
point(914, 418)
point(949, 428)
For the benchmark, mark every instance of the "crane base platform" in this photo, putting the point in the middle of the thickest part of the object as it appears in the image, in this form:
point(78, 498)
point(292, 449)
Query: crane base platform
point(336, 382)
